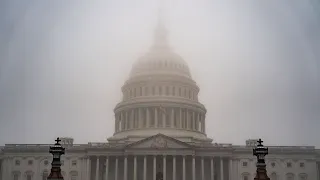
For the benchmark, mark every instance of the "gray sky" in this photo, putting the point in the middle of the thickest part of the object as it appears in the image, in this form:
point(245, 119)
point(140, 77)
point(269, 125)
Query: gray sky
point(62, 64)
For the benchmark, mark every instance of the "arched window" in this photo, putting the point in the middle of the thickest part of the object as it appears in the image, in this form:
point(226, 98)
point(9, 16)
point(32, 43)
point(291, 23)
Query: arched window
point(289, 176)
point(74, 175)
point(303, 176)
point(245, 176)
point(29, 175)
point(273, 176)
point(16, 175)
point(45, 174)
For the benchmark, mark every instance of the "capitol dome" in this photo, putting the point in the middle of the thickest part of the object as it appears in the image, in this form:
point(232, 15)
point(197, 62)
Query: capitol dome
point(160, 97)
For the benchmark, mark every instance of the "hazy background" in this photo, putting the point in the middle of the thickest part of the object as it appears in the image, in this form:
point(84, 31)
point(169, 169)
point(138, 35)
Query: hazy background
point(62, 64)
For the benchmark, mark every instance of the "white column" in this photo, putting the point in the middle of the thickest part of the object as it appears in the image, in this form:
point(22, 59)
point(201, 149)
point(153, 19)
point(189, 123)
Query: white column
point(193, 121)
point(164, 122)
point(174, 168)
point(88, 168)
point(164, 168)
point(145, 168)
point(156, 117)
point(180, 117)
point(135, 168)
point(172, 118)
point(198, 120)
point(122, 122)
point(154, 167)
point(183, 168)
point(107, 168)
point(116, 169)
point(148, 118)
point(97, 168)
point(125, 168)
point(221, 168)
point(132, 119)
point(230, 169)
point(212, 168)
point(127, 121)
point(140, 121)
point(193, 168)
point(202, 168)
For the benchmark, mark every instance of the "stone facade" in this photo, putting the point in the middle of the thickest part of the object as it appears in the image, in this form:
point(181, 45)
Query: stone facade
point(159, 131)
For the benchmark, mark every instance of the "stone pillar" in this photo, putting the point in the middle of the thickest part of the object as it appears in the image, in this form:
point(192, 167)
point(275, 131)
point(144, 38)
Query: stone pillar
point(193, 167)
point(107, 168)
point(172, 118)
point(164, 123)
point(88, 168)
point(140, 121)
point(230, 169)
point(164, 168)
point(132, 119)
point(135, 168)
point(202, 168)
point(148, 118)
point(188, 119)
point(122, 121)
point(204, 123)
point(97, 168)
point(127, 121)
point(154, 167)
point(116, 169)
point(180, 117)
point(125, 168)
point(156, 123)
point(221, 168)
point(212, 168)
point(183, 168)
point(193, 121)
point(174, 176)
point(145, 168)
point(198, 120)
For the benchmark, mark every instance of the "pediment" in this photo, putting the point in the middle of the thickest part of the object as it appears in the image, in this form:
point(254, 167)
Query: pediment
point(159, 141)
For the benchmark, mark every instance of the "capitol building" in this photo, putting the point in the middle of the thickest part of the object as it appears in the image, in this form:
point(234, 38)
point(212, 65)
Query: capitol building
point(159, 133)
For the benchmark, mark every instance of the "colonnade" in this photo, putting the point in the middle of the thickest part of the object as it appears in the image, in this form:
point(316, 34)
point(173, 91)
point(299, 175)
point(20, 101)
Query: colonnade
point(215, 171)
point(169, 117)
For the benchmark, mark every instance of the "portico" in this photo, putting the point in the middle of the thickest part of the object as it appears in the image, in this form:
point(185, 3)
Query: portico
point(159, 157)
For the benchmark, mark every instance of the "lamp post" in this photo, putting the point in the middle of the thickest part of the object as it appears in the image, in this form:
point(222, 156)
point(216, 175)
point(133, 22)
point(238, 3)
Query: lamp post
point(56, 150)
point(260, 151)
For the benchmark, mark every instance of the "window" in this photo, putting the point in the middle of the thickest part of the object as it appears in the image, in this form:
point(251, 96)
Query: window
point(167, 90)
point(303, 176)
point(273, 176)
point(29, 177)
point(17, 162)
point(30, 162)
point(74, 163)
point(290, 177)
point(15, 176)
point(74, 175)
point(302, 165)
point(244, 164)
point(289, 164)
point(273, 164)
point(173, 91)
point(245, 177)
point(45, 174)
